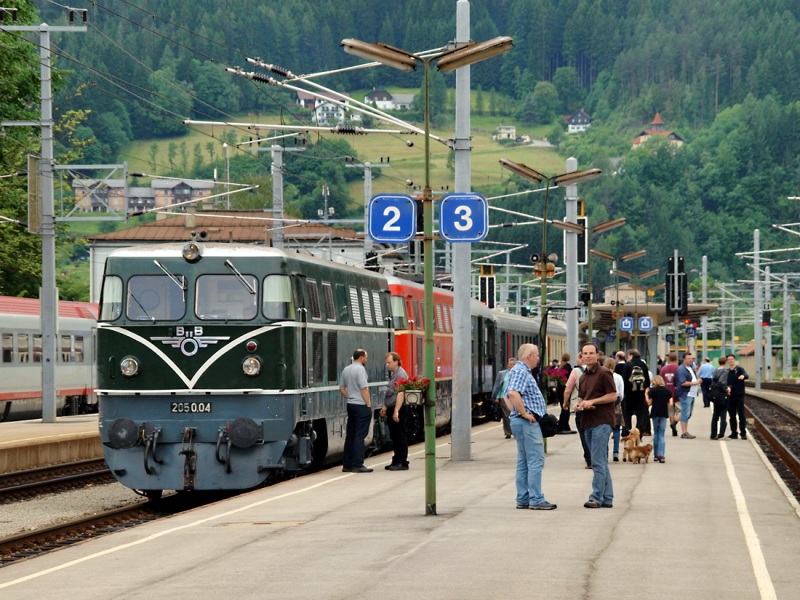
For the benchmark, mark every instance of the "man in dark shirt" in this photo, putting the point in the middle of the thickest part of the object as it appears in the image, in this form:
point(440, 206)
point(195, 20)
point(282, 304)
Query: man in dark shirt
point(598, 393)
point(736, 377)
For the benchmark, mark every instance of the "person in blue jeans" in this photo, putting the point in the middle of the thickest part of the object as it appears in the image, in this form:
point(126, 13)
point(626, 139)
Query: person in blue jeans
point(528, 404)
point(353, 385)
point(659, 399)
point(598, 393)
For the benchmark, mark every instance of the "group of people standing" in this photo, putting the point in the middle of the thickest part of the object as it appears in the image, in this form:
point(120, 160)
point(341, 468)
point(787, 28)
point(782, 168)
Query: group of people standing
point(605, 398)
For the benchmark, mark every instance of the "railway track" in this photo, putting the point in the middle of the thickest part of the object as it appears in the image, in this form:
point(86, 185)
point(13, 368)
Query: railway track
point(33, 543)
point(779, 430)
point(22, 485)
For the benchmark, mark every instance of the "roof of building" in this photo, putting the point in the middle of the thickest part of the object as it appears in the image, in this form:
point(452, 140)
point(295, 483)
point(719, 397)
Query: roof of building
point(657, 120)
point(94, 183)
point(10, 305)
point(222, 226)
point(167, 184)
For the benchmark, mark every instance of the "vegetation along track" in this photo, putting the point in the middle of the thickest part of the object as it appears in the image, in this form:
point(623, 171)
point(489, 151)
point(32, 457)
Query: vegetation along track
point(22, 485)
point(778, 429)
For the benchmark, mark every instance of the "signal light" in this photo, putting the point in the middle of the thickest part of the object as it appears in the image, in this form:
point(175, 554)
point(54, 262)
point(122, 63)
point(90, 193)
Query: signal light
point(766, 318)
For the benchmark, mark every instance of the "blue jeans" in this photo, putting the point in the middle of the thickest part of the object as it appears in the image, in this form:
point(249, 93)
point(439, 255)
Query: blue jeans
point(659, 428)
point(530, 461)
point(597, 439)
point(687, 404)
point(358, 420)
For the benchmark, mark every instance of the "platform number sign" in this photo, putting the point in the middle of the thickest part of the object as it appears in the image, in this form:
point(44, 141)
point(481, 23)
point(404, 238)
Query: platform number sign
point(392, 218)
point(463, 217)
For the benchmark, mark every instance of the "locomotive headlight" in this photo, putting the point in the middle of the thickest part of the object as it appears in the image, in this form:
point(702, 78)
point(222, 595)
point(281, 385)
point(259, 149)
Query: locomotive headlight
point(192, 252)
point(129, 366)
point(251, 366)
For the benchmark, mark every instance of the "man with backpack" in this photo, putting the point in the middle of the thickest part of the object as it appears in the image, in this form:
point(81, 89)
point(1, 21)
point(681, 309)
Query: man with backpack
point(637, 379)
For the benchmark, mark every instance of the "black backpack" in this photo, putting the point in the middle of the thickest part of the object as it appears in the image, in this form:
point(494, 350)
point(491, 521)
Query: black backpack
point(636, 379)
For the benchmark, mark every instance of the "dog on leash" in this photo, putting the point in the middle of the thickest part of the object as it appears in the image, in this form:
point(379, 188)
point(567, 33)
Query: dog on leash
point(641, 452)
point(631, 440)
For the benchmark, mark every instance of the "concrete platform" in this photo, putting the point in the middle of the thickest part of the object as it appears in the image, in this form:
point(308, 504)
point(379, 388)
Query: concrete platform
point(712, 522)
point(32, 444)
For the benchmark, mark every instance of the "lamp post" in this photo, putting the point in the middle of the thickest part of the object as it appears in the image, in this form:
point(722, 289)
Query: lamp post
point(597, 229)
point(543, 263)
point(447, 61)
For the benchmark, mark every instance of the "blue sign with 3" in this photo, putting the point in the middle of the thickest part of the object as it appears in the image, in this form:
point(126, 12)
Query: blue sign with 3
point(392, 218)
point(463, 217)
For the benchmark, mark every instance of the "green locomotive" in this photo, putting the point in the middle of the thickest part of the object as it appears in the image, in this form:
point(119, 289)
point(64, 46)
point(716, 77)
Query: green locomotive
point(218, 364)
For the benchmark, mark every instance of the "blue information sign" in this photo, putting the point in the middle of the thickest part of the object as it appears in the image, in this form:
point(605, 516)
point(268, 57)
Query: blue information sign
point(463, 217)
point(392, 218)
point(691, 332)
point(645, 324)
point(626, 324)
point(670, 337)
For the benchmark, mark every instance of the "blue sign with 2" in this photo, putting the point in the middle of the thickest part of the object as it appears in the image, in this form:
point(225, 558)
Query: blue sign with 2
point(392, 218)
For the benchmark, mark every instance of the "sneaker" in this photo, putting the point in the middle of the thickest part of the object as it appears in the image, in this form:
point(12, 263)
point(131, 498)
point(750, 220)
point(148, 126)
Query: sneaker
point(662, 459)
point(508, 436)
point(733, 436)
point(688, 436)
point(361, 469)
point(744, 437)
point(525, 506)
point(607, 505)
point(396, 468)
point(592, 504)
point(616, 458)
point(543, 506)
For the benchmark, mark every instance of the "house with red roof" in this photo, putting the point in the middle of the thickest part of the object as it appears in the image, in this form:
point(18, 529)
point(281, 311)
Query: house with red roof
point(656, 129)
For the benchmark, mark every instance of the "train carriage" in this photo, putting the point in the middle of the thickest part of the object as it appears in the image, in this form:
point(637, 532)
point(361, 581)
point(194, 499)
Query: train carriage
point(220, 363)
point(21, 361)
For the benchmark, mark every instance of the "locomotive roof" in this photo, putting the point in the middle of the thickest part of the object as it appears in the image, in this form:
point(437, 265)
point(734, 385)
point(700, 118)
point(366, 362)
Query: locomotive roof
point(10, 305)
point(234, 251)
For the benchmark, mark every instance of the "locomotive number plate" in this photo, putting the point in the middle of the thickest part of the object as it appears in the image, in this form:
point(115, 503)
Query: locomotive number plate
point(190, 407)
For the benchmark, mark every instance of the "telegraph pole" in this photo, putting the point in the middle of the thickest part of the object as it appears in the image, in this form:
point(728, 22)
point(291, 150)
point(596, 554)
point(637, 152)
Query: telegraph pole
point(48, 295)
point(461, 418)
point(367, 166)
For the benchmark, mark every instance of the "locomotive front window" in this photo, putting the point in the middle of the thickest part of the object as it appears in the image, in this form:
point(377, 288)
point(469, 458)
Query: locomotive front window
point(155, 298)
point(399, 317)
point(278, 304)
point(111, 303)
point(223, 297)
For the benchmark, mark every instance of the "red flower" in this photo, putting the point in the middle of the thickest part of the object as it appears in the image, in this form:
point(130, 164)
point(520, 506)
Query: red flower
point(412, 383)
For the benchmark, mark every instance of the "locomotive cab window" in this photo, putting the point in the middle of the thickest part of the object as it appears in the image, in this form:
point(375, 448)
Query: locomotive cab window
point(399, 317)
point(278, 304)
point(155, 298)
point(223, 297)
point(111, 302)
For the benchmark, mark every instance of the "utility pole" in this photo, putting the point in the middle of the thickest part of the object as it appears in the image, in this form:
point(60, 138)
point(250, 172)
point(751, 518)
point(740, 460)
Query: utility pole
point(367, 166)
point(461, 418)
point(768, 329)
point(48, 295)
point(704, 319)
point(571, 260)
point(277, 193)
point(757, 306)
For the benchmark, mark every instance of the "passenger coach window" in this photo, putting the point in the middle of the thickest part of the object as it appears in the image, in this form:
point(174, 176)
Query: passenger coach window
point(66, 348)
point(79, 348)
point(156, 298)
point(37, 348)
point(223, 297)
point(111, 303)
point(22, 348)
point(8, 347)
point(278, 304)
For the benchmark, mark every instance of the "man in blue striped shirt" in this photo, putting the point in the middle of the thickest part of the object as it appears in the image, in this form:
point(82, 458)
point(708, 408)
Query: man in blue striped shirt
point(528, 402)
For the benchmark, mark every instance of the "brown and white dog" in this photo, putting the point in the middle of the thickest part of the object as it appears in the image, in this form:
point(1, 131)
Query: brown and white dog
point(631, 440)
point(638, 453)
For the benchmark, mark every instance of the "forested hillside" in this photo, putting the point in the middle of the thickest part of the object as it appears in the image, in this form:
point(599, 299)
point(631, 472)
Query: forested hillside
point(724, 74)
